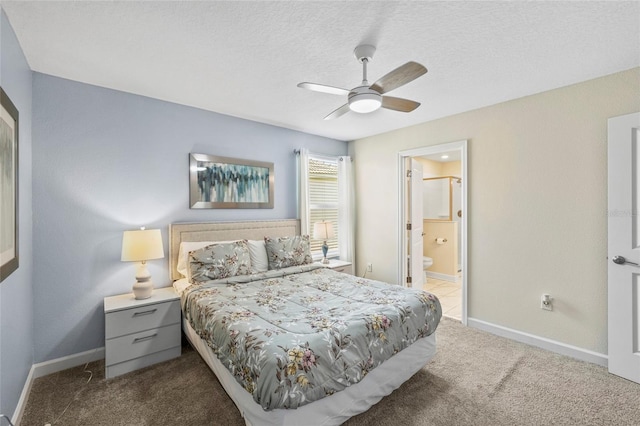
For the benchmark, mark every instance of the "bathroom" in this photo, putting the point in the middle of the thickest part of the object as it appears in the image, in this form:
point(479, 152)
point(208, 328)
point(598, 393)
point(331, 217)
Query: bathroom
point(442, 240)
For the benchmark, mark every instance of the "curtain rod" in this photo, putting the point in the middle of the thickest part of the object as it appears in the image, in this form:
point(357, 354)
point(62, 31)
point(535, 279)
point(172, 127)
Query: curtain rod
point(339, 157)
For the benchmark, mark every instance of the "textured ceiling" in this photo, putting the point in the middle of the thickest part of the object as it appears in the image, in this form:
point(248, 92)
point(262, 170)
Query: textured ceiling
point(245, 58)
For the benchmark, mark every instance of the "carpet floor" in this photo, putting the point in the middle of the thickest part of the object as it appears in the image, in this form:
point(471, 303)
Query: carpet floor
point(476, 379)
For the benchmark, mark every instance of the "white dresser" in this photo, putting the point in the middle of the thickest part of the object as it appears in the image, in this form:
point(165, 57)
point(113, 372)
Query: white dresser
point(338, 265)
point(139, 333)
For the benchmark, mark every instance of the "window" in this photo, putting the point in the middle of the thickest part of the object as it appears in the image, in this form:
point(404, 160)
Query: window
point(325, 192)
point(323, 201)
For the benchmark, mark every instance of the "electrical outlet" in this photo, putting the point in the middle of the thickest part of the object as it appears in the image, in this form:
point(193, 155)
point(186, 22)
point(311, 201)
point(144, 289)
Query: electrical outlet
point(546, 302)
point(369, 267)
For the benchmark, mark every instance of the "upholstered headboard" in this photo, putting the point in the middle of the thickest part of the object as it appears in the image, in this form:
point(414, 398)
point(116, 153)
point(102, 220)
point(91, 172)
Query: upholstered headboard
point(225, 231)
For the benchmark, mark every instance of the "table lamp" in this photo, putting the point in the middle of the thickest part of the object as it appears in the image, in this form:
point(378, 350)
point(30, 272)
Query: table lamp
point(140, 246)
point(323, 231)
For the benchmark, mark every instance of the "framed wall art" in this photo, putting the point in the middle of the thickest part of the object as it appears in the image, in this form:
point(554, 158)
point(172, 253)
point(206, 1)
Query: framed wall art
point(230, 183)
point(8, 186)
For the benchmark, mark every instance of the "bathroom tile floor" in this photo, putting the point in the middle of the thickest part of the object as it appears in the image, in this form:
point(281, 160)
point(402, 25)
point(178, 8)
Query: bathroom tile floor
point(449, 294)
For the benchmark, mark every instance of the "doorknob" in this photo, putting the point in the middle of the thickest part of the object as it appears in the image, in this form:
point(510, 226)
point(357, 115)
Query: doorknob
point(620, 260)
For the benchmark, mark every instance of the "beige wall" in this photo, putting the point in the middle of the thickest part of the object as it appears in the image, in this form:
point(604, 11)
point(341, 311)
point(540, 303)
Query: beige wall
point(445, 256)
point(452, 168)
point(537, 205)
point(430, 168)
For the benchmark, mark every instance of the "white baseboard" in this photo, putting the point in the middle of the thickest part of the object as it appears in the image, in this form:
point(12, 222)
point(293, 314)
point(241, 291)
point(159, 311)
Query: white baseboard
point(65, 362)
point(541, 342)
point(443, 277)
point(24, 396)
point(49, 367)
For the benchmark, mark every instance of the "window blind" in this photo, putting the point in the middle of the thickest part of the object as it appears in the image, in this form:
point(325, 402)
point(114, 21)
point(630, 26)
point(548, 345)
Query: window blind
point(323, 200)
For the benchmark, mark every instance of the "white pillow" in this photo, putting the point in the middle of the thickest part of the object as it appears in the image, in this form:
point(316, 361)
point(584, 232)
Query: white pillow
point(183, 253)
point(258, 253)
point(181, 285)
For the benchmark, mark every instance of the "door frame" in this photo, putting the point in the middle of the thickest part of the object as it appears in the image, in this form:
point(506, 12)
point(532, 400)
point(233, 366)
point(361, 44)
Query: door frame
point(415, 236)
point(402, 211)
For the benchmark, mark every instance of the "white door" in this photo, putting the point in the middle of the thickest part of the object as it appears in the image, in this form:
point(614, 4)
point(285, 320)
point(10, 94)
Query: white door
point(624, 246)
point(416, 233)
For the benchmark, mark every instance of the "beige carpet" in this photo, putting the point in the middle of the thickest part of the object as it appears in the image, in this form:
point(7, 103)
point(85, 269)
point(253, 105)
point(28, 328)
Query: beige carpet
point(475, 379)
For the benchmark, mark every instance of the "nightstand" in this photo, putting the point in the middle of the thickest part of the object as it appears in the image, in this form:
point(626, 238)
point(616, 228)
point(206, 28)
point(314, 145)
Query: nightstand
point(337, 265)
point(139, 333)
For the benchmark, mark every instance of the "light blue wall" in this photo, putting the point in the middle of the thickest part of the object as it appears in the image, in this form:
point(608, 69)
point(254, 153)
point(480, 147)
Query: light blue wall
point(16, 307)
point(106, 161)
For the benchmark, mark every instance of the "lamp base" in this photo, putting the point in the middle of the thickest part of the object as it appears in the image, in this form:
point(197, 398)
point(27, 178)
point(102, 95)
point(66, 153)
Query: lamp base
point(143, 289)
point(325, 249)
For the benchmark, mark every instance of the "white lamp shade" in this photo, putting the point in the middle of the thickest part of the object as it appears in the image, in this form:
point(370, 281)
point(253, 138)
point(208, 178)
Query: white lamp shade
point(323, 230)
point(141, 245)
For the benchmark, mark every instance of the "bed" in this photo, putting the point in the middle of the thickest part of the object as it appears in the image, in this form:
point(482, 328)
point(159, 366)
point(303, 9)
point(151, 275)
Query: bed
point(238, 323)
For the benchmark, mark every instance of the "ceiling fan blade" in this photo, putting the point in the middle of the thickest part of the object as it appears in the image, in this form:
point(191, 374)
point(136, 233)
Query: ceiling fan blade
point(339, 112)
point(323, 88)
point(399, 77)
point(399, 104)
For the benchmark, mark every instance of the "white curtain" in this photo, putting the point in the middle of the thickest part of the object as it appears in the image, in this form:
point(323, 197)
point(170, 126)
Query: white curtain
point(303, 191)
point(346, 211)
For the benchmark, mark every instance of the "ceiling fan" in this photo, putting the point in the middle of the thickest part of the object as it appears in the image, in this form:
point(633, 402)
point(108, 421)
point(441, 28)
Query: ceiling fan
point(365, 98)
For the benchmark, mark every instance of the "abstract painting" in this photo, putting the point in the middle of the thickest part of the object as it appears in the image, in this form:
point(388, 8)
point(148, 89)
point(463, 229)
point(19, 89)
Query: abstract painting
point(8, 186)
point(230, 183)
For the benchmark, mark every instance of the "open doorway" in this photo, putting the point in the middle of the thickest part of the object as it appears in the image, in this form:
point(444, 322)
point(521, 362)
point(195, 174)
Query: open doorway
point(442, 218)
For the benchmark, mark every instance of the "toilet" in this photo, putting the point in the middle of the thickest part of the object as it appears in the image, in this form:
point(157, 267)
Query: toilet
point(426, 264)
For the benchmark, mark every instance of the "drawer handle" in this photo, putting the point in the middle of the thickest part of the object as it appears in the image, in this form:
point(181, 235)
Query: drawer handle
point(149, 312)
point(142, 339)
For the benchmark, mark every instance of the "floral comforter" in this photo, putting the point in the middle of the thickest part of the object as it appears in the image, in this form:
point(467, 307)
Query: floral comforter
point(295, 335)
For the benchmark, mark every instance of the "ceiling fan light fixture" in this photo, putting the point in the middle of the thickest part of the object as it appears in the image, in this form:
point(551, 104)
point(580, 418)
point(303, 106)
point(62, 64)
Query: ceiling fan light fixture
point(368, 98)
point(364, 102)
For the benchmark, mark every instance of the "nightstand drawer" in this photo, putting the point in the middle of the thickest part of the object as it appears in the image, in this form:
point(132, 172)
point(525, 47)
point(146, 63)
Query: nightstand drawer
point(127, 321)
point(140, 344)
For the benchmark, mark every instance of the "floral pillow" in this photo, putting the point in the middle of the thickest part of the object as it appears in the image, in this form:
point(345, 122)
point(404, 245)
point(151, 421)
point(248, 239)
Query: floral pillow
point(220, 260)
point(283, 252)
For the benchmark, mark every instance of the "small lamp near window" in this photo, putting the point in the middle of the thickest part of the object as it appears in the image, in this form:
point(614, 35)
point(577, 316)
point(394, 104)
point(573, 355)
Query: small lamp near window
point(323, 231)
point(140, 246)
